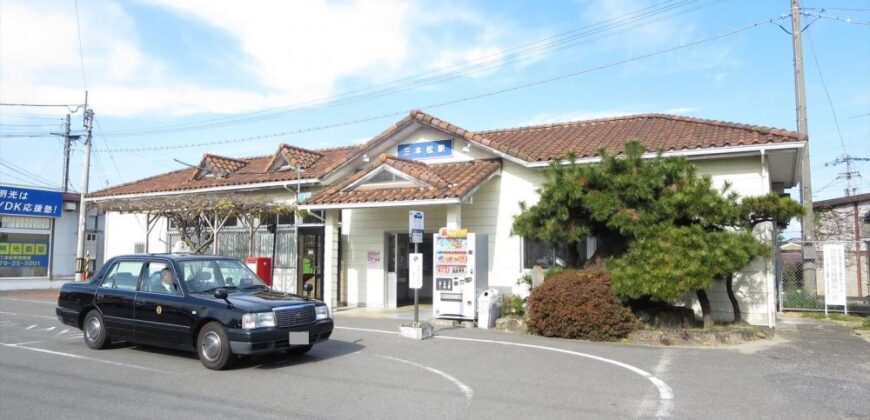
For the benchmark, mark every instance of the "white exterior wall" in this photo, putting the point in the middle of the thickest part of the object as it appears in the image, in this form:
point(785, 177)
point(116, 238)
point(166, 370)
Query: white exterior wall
point(754, 285)
point(365, 230)
point(124, 230)
point(492, 212)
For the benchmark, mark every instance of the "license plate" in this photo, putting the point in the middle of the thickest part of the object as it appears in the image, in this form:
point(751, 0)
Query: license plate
point(299, 338)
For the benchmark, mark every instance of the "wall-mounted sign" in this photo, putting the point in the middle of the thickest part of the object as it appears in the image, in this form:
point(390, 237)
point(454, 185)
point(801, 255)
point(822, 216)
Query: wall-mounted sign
point(453, 232)
point(23, 254)
point(374, 259)
point(415, 226)
point(426, 149)
point(28, 202)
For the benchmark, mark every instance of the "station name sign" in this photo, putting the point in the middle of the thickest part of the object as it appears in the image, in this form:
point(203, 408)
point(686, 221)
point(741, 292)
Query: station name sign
point(426, 149)
point(29, 202)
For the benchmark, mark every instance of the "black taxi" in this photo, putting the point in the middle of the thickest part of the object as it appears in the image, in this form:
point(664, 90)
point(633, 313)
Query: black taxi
point(213, 305)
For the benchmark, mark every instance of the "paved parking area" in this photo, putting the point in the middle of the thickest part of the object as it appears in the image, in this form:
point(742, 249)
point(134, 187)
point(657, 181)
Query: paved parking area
point(813, 370)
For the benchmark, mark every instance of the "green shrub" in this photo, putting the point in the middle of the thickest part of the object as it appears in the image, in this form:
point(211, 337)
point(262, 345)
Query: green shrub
point(579, 304)
point(513, 305)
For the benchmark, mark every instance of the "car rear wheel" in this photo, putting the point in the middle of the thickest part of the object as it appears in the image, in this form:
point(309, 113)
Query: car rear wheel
point(213, 347)
point(300, 350)
point(94, 330)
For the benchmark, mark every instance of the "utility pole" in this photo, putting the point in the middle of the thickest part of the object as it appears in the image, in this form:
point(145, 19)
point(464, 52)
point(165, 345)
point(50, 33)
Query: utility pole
point(66, 141)
point(807, 228)
point(81, 261)
point(850, 173)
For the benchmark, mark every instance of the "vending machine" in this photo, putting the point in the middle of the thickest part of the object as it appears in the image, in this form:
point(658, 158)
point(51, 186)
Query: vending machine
point(460, 270)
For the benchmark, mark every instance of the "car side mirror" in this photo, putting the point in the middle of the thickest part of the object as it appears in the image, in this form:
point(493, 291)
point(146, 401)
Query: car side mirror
point(308, 288)
point(221, 293)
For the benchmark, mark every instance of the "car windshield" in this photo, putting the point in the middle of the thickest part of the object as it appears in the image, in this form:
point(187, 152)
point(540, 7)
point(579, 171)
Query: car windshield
point(206, 275)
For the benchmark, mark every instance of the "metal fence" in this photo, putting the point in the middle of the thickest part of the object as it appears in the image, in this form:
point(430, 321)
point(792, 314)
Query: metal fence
point(802, 287)
point(234, 243)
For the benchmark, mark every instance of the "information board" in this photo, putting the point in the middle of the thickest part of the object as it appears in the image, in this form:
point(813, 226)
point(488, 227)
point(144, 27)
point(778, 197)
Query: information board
point(415, 271)
point(835, 274)
point(29, 202)
point(23, 254)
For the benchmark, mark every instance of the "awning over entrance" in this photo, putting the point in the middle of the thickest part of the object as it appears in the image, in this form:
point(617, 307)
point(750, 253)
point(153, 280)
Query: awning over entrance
point(393, 180)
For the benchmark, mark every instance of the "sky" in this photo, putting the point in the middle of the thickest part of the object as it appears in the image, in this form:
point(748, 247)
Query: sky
point(184, 74)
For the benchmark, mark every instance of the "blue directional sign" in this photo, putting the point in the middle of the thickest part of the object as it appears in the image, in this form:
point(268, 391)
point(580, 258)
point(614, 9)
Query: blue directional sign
point(426, 149)
point(29, 202)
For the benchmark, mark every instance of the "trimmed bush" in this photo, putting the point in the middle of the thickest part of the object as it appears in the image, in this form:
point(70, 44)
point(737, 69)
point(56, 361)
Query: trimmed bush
point(579, 304)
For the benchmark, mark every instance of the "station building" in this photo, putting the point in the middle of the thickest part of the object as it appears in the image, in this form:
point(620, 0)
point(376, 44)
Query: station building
point(354, 244)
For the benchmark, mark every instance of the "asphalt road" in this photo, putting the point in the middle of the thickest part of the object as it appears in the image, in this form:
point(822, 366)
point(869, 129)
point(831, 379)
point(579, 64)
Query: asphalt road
point(813, 370)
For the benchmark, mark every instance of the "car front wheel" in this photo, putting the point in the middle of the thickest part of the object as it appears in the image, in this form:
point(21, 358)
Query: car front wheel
point(94, 330)
point(213, 347)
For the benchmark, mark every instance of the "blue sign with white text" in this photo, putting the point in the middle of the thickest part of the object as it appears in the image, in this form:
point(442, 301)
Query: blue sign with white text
point(28, 202)
point(426, 149)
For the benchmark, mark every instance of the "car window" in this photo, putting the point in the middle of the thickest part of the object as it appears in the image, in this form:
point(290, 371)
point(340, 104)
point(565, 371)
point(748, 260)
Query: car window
point(204, 275)
point(161, 279)
point(123, 276)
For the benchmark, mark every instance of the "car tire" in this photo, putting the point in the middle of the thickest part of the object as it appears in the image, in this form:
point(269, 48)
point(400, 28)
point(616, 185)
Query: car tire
point(300, 350)
point(213, 347)
point(94, 331)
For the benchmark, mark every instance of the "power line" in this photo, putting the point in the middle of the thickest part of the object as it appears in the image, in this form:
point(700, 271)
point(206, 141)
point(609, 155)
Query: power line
point(40, 105)
point(460, 100)
point(81, 50)
point(560, 41)
point(827, 93)
point(837, 18)
point(25, 172)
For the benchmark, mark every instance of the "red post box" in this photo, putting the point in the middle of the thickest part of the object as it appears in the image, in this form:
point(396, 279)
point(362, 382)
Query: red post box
point(262, 266)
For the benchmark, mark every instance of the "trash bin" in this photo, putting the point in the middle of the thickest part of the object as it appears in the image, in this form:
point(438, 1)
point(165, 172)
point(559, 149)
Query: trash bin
point(488, 308)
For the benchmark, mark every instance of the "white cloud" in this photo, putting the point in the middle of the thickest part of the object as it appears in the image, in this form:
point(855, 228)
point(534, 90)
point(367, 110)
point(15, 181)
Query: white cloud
point(292, 51)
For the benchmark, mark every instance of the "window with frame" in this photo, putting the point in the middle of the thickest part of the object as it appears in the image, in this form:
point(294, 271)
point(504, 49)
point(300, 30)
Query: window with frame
point(154, 279)
point(124, 275)
point(548, 255)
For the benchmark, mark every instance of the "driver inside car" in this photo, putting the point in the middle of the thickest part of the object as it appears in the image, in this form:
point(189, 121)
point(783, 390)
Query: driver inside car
point(167, 282)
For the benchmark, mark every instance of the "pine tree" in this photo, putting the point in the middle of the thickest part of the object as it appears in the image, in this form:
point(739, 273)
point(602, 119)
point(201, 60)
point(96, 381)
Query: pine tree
point(663, 230)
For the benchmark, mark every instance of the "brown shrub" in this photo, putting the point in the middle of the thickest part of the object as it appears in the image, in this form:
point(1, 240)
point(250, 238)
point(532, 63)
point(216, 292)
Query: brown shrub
point(579, 304)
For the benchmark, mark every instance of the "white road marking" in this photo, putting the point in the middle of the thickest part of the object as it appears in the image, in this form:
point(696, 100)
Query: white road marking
point(29, 315)
point(466, 390)
point(368, 330)
point(26, 343)
point(50, 329)
point(62, 332)
point(31, 327)
point(46, 302)
point(666, 394)
point(76, 356)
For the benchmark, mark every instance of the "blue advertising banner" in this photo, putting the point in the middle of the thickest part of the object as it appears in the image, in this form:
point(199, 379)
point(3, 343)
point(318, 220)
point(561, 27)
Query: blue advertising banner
point(426, 149)
point(28, 202)
point(23, 254)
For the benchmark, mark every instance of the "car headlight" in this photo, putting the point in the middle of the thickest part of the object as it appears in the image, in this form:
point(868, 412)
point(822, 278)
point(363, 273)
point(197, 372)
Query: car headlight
point(258, 320)
point(322, 312)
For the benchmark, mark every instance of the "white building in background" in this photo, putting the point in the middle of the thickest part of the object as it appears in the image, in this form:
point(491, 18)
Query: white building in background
point(38, 233)
point(355, 248)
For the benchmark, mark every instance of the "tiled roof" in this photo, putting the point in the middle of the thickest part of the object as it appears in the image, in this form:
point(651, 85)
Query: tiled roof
point(296, 156)
point(841, 201)
point(456, 181)
point(221, 166)
point(255, 171)
point(584, 138)
point(530, 144)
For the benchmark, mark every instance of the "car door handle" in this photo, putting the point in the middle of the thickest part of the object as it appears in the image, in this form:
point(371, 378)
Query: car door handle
point(100, 295)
